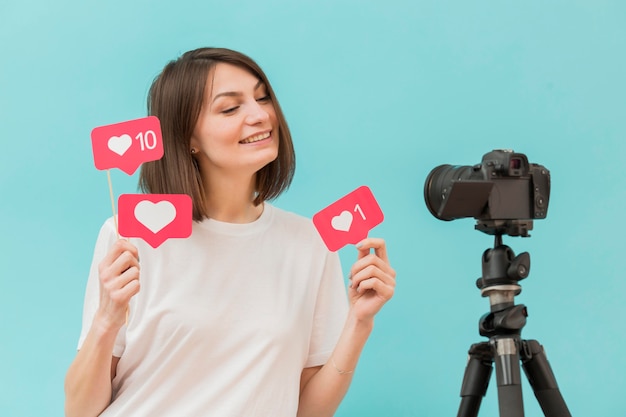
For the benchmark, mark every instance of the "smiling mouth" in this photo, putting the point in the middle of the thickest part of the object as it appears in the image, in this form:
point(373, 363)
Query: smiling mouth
point(256, 138)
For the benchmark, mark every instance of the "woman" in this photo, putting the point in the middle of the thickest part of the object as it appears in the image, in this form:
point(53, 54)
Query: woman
point(248, 316)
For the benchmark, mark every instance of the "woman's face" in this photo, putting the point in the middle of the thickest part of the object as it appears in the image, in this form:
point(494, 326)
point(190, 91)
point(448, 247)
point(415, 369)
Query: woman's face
point(237, 131)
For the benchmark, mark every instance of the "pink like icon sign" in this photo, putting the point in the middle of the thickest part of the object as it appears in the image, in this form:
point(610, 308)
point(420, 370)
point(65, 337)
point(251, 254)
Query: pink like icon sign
point(127, 145)
point(155, 217)
point(349, 219)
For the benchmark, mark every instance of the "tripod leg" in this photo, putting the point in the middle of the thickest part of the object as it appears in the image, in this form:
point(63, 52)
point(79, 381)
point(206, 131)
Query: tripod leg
point(476, 379)
point(542, 380)
point(508, 376)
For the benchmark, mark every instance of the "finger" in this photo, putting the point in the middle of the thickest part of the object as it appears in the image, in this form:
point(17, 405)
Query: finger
point(122, 288)
point(125, 261)
point(382, 290)
point(372, 272)
point(115, 282)
point(378, 244)
point(118, 276)
point(128, 276)
point(120, 246)
point(130, 288)
point(368, 260)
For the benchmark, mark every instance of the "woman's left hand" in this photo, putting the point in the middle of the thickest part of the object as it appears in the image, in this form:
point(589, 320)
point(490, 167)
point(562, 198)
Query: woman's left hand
point(372, 279)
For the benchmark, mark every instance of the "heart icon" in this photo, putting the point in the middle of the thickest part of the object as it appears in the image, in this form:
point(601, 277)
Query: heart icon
point(342, 222)
point(120, 144)
point(155, 216)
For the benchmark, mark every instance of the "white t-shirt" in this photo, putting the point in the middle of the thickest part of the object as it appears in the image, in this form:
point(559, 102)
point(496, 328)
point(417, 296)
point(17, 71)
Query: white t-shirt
point(225, 320)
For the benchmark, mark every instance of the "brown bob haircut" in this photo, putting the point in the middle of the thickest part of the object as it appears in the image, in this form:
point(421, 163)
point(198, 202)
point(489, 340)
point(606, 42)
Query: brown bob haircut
point(176, 97)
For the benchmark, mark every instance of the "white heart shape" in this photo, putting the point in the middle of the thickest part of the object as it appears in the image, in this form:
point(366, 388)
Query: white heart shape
point(155, 216)
point(342, 222)
point(120, 144)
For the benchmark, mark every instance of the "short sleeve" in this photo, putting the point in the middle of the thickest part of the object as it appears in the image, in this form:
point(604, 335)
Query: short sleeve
point(331, 310)
point(106, 238)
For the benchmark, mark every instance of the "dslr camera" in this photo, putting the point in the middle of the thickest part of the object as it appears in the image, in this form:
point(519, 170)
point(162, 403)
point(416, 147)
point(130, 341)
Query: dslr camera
point(504, 193)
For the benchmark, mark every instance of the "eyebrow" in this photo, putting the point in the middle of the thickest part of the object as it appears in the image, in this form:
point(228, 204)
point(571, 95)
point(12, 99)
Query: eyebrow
point(236, 93)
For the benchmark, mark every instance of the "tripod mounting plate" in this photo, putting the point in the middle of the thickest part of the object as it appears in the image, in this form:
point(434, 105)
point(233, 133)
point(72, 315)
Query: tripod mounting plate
point(505, 227)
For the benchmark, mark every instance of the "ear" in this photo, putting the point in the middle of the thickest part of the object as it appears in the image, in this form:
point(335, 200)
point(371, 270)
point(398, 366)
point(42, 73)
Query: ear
point(194, 145)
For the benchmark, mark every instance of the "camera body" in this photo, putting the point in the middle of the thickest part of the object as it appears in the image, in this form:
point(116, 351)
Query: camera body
point(504, 193)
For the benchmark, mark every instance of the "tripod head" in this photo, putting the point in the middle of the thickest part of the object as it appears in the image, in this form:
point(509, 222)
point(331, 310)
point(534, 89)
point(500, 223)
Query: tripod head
point(502, 271)
point(500, 266)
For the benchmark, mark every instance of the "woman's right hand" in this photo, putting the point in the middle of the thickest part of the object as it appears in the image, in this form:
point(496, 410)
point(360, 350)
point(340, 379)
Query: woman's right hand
point(119, 282)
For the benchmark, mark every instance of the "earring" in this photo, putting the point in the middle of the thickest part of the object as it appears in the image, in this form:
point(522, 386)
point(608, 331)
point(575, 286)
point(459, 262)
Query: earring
point(193, 150)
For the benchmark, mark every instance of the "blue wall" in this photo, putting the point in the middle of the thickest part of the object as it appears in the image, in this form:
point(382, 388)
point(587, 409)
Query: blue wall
point(376, 94)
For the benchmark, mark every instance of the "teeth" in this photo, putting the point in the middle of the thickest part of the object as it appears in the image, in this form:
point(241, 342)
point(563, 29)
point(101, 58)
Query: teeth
point(256, 138)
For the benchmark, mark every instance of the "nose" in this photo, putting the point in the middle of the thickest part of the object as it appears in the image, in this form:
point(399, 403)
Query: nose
point(257, 113)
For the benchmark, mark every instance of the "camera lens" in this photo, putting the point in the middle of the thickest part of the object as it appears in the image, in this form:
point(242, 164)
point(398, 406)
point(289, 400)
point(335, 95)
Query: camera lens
point(438, 184)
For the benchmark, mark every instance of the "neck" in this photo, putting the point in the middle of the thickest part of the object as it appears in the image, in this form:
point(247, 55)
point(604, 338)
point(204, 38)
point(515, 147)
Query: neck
point(231, 200)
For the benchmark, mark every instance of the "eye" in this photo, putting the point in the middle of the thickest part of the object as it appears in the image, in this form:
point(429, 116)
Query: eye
point(229, 110)
point(264, 98)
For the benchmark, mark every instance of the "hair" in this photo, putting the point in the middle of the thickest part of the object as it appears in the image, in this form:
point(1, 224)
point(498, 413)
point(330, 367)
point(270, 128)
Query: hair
point(175, 98)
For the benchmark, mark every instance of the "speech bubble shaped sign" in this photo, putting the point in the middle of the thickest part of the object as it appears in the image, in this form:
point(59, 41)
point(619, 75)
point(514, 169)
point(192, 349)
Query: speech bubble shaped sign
point(349, 219)
point(127, 145)
point(155, 217)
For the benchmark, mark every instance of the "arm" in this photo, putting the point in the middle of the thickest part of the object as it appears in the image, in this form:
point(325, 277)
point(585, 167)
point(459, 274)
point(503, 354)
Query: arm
point(372, 285)
point(88, 380)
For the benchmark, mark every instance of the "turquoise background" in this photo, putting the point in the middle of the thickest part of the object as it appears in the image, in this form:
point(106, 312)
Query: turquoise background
point(376, 93)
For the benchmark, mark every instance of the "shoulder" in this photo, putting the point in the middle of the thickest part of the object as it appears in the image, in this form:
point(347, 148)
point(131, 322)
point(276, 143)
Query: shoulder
point(108, 231)
point(108, 234)
point(291, 220)
point(296, 226)
point(109, 226)
point(290, 217)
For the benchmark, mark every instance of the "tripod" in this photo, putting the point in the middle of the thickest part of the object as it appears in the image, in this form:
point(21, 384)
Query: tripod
point(501, 272)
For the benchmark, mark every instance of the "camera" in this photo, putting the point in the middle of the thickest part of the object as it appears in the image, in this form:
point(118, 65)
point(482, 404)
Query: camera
point(504, 193)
